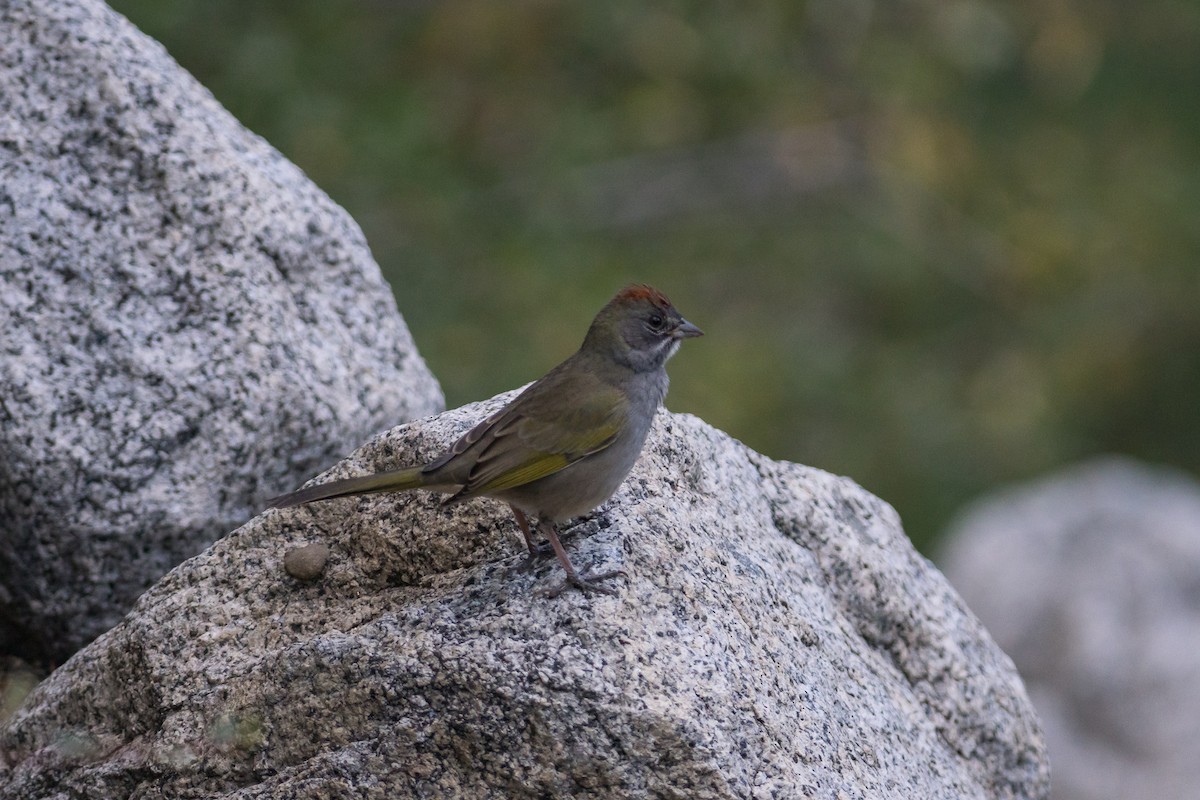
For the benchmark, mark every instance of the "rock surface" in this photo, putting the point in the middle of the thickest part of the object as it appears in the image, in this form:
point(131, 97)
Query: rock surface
point(189, 325)
point(1091, 581)
point(775, 636)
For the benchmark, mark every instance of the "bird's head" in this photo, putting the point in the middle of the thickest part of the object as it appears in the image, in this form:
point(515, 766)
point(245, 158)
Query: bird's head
point(640, 328)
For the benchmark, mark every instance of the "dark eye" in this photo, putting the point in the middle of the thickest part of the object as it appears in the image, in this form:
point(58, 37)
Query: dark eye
point(656, 321)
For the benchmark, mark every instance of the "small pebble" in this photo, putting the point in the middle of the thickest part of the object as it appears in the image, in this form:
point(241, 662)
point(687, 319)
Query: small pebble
point(306, 563)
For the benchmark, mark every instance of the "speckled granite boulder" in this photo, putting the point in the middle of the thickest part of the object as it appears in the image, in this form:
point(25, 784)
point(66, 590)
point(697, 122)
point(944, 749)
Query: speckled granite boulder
point(1091, 580)
point(776, 635)
point(187, 324)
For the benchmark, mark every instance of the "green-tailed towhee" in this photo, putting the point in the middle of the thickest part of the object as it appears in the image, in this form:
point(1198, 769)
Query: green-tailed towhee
point(562, 446)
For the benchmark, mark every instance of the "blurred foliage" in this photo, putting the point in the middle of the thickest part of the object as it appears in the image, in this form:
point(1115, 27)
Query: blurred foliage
point(936, 244)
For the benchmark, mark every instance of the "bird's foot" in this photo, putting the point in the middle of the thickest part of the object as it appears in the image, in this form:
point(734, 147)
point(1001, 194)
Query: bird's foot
point(585, 583)
point(537, 554)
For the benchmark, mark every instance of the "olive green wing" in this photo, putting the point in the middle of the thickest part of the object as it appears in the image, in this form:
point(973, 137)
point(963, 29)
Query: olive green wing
point(543, 433)
point(467, 441)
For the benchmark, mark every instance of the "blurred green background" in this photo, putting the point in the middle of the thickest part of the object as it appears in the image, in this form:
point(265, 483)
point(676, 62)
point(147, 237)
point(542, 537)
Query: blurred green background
point(936, 245)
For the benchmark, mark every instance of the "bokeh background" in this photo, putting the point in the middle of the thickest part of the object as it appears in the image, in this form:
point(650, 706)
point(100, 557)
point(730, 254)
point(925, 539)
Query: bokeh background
point(937, 245)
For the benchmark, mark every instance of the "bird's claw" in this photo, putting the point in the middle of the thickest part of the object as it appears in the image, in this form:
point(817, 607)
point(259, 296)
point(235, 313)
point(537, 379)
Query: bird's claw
point(585, 583)
point(536, 555)
point(541, 551)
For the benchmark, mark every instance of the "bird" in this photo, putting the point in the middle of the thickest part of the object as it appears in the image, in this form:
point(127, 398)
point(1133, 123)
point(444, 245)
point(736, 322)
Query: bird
point(563, 445)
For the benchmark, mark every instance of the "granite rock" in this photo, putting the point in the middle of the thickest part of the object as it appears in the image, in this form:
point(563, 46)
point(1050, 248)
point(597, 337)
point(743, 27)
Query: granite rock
point(1090, 579)
point(775, 636)
point(188, 324)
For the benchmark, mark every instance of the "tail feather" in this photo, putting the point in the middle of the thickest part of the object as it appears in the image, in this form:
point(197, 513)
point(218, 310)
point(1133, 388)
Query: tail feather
point(395, 481)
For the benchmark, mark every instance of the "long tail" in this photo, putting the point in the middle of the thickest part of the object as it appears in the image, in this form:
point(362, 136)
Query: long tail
point(394, 481)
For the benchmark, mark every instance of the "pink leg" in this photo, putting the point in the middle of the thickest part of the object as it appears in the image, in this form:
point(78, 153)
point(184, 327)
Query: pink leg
point(535, 551)
point(523, 524)
point(582, 582)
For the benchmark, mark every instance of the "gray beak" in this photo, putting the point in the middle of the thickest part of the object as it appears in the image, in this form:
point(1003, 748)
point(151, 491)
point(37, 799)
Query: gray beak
point(686, 330)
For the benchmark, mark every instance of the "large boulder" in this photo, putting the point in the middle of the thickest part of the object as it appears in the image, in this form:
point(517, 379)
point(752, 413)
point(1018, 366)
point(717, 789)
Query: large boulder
point(1091, 580)
point(189, 324)
point(775, 635)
